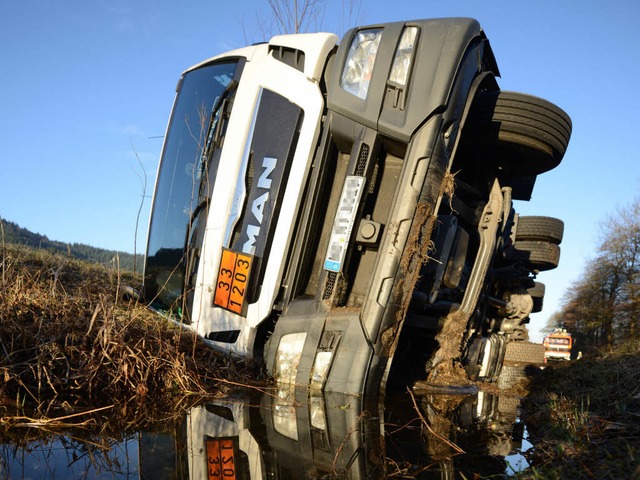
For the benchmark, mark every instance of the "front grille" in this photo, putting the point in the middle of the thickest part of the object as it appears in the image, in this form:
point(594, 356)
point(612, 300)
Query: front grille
point(361, 166)
point(329, 286)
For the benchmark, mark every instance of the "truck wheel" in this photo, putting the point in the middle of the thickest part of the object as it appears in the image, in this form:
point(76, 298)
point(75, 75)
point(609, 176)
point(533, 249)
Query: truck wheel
point(525, 353)
point(527, 135)
point(509, 375)
point(539, 256)
point(537, 294)
point(545, 229)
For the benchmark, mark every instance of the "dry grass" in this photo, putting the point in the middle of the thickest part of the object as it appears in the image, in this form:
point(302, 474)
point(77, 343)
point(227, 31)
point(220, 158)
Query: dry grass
point(584, 418)
point(448, 370)
point(69, 343)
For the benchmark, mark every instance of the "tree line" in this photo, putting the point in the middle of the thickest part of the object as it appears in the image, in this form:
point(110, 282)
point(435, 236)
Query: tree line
point(602, 308)
point(11, 232)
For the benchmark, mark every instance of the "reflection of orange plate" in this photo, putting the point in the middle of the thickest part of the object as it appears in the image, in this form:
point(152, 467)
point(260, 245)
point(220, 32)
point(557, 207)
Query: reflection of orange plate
point(233, 280)
point(221, 462)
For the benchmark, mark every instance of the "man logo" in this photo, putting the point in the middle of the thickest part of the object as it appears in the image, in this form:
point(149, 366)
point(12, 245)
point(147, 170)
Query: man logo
point(258, 204)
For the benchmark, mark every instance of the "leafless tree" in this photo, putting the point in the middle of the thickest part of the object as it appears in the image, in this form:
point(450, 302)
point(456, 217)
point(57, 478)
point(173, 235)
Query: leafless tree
point(302, 16)
point(621, 247)
point(603, 306)
point(293, 16)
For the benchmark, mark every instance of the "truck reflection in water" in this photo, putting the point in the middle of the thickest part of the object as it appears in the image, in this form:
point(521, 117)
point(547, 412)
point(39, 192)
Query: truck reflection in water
point(287, 435)
point(284, 434)
point(455, 436)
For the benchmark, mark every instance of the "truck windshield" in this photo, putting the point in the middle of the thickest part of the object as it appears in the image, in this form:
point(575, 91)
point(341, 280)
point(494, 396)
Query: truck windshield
point(184, 168)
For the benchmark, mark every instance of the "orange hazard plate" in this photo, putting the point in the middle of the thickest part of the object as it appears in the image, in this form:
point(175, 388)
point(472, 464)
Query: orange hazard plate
point(233, 278)
point(221, 460)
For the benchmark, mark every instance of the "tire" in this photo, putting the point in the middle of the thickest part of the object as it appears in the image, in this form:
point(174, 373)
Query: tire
point(524, 353)
point(540, 256)
point(510, 374)
point(537, 294)
point(526, 135)
point(518, 355)
point(544, 229)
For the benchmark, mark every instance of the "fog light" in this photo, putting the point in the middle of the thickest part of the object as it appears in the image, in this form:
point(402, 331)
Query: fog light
point(401, 66)
point(358, 67)
point(320, 370)
point(288, 357)
point(316, 413)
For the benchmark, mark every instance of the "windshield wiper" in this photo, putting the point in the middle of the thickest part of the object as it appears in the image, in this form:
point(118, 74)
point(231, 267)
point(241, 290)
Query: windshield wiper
point(214, 131)
point(213, 137)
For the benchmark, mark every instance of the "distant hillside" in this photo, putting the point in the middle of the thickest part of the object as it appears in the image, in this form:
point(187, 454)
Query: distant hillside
point(14, 233)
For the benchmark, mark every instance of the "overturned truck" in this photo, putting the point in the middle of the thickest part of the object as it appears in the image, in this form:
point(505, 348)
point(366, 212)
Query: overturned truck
point(344, 212)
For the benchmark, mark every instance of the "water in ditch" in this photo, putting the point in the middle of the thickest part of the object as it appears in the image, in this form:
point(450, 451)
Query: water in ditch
point(285, 434)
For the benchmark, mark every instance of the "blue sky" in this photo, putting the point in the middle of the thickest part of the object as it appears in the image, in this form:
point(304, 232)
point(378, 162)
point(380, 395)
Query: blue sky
point(85, 86)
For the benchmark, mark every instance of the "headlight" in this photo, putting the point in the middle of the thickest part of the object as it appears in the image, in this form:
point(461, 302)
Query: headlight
point(359, 64)
point(284, 413)
point(402, 59)
point(288, 357)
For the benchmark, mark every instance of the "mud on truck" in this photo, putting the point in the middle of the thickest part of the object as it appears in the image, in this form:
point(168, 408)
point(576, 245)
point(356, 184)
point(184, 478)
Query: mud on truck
point(343, 211)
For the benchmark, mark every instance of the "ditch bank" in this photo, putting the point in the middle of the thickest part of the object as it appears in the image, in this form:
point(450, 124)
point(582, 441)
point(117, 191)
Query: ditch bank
point(71, 345)
point(583, 418)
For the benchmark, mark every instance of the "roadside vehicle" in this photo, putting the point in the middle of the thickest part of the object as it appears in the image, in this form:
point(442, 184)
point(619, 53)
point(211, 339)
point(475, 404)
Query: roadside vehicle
point(558, 345)
point(335, 209)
